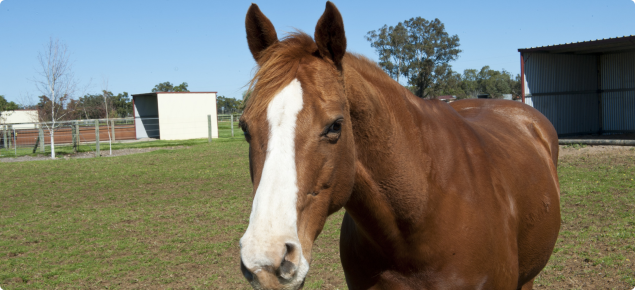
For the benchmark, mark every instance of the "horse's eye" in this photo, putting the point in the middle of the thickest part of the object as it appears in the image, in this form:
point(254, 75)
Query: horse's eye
point(245, 129)
point(334, 131)
point(336, 127)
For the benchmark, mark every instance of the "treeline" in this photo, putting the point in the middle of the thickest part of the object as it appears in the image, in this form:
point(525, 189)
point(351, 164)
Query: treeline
point(226, 105)
point(108, 105)
point(90, 106)
point(474, 82)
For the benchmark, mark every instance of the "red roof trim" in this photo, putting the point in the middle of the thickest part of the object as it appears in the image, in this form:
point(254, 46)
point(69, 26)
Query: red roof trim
point(446, 97)
point(185, 92)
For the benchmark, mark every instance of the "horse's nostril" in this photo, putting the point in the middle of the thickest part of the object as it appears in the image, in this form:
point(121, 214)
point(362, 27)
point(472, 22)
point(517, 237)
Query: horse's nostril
point(248, 275)
point(287, 269)
point(288, 266)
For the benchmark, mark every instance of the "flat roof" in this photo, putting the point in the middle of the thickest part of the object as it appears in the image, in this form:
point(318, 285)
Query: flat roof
point(155, 93)
point(606, 45)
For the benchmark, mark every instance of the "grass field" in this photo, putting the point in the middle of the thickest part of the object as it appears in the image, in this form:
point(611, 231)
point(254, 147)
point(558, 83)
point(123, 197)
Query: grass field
point(171, 219)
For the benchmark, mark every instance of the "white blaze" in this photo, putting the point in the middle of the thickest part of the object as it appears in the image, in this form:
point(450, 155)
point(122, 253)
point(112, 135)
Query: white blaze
point(273, 219)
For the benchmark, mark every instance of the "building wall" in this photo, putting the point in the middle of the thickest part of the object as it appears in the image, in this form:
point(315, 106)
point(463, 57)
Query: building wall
point(18, 117)
point(563, 87)
point(184, 115)
point(146, 112)
point(618, 104)
point(567, 89)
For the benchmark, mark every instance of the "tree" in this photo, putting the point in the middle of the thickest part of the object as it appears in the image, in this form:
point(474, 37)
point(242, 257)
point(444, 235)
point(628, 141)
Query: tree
point(246, 96)
point(57, 84)
point(515, 86)
point(92, 106)
point(6, 106)
point(226, 105)
point(391, 44)
point(469, 83)
point(494, 83)
point(418, 49)
point(168, 87)
point(122, 105)
point(485, 81)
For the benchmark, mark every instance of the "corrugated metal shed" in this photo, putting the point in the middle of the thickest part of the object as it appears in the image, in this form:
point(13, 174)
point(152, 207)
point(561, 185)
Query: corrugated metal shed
point(583, 87)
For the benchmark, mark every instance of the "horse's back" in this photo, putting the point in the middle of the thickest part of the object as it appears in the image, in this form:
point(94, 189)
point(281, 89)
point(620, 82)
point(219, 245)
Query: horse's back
point(523, 144)
point(512, 119)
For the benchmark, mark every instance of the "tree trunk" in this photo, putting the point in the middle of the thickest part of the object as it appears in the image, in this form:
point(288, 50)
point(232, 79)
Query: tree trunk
point(52, 144)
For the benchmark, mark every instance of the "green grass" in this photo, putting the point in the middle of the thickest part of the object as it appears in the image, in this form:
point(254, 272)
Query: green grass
point(172, 218)
point(168, 219)
point(597, 236)
point(143, 218)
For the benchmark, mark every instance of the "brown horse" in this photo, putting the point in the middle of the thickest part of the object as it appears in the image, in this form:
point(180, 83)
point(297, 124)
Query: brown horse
point(437, 196)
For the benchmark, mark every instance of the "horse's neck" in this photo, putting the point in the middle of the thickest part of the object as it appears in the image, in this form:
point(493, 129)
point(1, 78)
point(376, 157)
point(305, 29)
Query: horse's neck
point(390, 192)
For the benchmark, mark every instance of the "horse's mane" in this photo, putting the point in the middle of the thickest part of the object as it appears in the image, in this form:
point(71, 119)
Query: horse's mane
point(279, 64)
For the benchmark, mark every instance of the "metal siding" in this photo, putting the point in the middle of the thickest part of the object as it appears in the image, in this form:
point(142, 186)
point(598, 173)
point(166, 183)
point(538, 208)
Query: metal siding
point(549, 74)
point(529, 102)
point(618, 108)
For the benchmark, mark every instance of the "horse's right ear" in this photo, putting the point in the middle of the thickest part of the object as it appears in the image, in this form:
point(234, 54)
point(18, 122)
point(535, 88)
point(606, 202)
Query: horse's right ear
point(260, 32)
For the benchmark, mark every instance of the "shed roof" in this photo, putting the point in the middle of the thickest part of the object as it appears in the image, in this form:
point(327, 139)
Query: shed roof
point(606, 45)
point(154, 94)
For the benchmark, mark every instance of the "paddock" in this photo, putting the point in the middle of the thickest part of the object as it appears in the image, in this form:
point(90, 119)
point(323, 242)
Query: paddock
point(172, 218)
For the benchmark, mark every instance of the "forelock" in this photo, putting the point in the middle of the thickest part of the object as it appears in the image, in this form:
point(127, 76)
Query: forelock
point(278, 68)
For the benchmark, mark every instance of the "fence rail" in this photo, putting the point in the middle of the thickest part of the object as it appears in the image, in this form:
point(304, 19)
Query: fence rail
point(81, 135)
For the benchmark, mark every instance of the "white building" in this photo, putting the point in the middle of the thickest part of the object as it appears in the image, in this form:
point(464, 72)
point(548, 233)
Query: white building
point(174, 115)
point(19, 119)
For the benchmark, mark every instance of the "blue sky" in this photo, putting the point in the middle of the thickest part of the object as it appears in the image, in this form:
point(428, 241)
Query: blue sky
point(134, 45)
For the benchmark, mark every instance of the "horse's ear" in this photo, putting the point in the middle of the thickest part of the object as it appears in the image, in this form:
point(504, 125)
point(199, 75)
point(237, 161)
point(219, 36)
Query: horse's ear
point(260, 32)
point(329, 35)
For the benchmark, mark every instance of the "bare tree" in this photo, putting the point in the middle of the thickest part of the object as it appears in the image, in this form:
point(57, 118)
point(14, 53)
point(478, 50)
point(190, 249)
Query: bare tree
point(107, 98)
point(56, 82)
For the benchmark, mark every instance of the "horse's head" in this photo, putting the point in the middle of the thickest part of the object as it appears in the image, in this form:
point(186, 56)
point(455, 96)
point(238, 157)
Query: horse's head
point(301, 148)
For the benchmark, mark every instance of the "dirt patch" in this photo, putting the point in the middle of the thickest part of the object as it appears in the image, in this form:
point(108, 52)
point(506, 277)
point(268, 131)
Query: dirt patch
point(593, 156)
point(120, 152)
point(627, 136)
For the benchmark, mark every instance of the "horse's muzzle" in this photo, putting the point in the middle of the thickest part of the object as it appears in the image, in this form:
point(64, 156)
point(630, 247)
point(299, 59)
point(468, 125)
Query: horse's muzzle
point(276, 272)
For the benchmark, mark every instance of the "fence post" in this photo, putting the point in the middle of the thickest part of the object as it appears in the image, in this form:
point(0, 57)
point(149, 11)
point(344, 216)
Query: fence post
point(232, 123)
point(4, 132)
point(15, 142)
point(76, 129)
point(41, 139)
point(112, 126)
point(9, 141)
point(209, 128)
point(11, 136)
point(74, 141)
point(97, 154)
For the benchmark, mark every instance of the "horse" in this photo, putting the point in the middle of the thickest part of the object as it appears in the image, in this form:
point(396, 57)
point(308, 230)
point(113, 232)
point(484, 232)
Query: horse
point(437, 196)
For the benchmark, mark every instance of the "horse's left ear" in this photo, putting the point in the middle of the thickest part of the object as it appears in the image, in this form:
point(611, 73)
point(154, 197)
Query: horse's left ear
point(260, 32)
point(329, 35)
